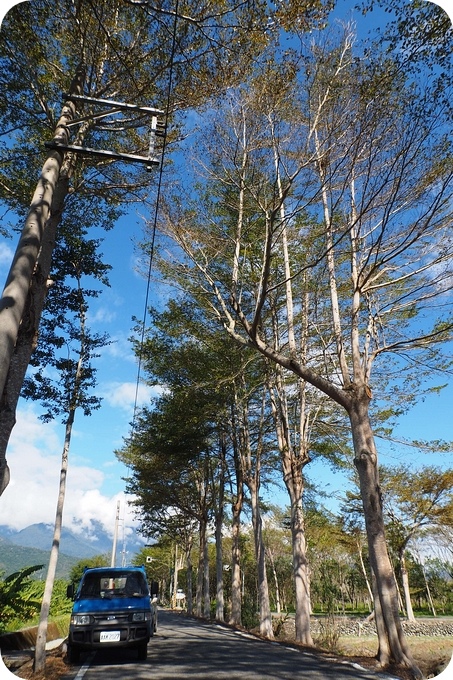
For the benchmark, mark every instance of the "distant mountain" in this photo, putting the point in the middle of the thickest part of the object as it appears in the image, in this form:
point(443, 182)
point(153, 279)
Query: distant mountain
point(71, 543)
point(15, 557)
point(32, 546)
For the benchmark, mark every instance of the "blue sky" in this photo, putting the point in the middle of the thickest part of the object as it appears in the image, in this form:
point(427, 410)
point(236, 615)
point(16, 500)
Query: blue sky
point(95, 481)
point(95, 478)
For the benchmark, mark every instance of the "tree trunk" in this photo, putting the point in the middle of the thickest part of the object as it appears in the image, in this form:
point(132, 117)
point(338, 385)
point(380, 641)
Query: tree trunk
point(406, 590)
point(189, 598)
point(394, 646)
point(236, 509)
point(301, 575)
point(40, 650)
point(278, 604)
point(236, 597)
point(206, 589)
point(17, 285)
point(219, 612)
point(174, 589)
point(362, 566)
point(41, 639)
point(292, 475)
point(263, 588)
point(203, 573)
point(384, 651)
point(26, 287)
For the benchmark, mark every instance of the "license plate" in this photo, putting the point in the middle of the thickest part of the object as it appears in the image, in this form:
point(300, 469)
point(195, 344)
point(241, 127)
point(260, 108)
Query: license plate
point(110, 636)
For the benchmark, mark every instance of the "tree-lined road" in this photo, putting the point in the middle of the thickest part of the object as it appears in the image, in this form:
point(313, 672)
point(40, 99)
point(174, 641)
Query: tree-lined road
point(185, 648)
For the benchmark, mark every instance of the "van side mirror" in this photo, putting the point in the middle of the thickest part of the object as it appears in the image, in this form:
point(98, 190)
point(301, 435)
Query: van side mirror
point(154, 588)
point(70, 591)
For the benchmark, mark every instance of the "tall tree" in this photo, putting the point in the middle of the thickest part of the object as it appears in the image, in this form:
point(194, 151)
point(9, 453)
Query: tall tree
point(191, 488)
point(124, 51)
point(372, 171)
point(414, 500)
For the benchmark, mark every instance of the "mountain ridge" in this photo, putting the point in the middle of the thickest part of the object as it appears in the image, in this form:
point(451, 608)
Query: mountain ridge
point(31, 545)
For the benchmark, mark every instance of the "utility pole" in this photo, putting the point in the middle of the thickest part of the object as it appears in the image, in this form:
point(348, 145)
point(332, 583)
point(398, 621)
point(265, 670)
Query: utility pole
point(115, 535)
point(35, 248)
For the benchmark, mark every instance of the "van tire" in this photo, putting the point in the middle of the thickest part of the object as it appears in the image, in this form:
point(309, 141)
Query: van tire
point(73, 654)
point(142, 652)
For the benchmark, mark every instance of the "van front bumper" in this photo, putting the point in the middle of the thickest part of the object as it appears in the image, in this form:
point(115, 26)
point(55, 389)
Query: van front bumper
point(90, 637)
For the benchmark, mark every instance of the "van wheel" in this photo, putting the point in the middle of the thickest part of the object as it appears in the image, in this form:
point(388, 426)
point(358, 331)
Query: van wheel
point(142, 652)
point(73, 654)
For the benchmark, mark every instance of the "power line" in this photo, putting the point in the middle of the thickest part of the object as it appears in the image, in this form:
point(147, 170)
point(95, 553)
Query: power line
point(156, 213)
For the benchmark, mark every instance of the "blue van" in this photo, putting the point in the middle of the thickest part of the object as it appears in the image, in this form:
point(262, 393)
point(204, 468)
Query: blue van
point(113, 607)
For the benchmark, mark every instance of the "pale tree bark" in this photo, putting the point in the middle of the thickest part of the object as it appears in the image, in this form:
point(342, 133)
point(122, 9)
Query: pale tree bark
point(206, 590)
point(220, 602)
point(252, 479)
point(236, 597)
point(260, 554)
point(362, 565)
point(25, 289)
point(200, 569)
point(177, 566)
point(236, 510)
point(189, 597)
point(41, 638)
point(292, 465)
point(366, 464)
point(406, 589)
point(293, 461)
point(270, 557)
point(219, 517)
point(202, 603)
point(428, 591)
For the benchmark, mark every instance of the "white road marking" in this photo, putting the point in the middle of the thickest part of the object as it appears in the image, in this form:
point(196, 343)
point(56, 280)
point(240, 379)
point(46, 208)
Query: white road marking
point(83, 669)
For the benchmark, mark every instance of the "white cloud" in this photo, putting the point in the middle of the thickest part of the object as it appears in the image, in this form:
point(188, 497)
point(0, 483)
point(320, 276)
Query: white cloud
point(92, 506)
point(122, 395)
point(6, 254)
point(34, 458)
point(102, 315)
point(120, 348)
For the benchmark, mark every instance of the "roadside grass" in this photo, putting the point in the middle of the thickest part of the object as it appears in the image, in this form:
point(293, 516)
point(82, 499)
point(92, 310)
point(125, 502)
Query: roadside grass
point(431, 653)
point(61, 621)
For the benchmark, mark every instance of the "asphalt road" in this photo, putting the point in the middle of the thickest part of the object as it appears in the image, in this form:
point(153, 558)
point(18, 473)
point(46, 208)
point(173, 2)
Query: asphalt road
point(185, 648)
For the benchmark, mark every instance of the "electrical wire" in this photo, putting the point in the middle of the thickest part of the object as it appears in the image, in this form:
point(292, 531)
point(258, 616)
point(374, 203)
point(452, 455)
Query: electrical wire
point(156, 214)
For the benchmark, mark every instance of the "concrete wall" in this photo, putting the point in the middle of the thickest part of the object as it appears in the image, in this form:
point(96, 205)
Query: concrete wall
point(26, 638)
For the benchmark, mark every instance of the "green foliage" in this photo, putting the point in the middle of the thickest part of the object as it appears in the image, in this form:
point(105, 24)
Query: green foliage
point(414, 499)
point(60, 607)
point(19, 596)
point(88, 562)
point(249, 612)
point(60, 604)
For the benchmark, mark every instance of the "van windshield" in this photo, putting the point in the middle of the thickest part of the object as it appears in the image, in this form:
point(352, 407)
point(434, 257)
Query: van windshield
point(113, 584)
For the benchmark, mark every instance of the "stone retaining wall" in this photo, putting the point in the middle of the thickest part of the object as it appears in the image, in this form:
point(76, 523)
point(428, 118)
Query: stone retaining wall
point(353, 626)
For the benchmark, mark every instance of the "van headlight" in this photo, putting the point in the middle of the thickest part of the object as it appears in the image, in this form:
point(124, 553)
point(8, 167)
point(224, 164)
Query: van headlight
point(80, 619)
point(141, 616)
